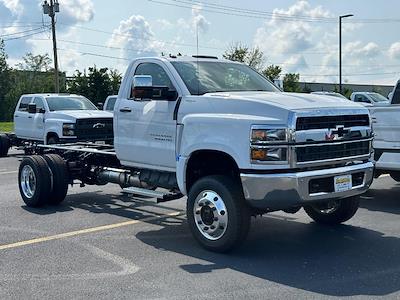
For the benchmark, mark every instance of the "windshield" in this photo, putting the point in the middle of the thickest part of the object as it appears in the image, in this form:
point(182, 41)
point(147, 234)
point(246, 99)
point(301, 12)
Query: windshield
point(70, 103)
point(207, 77)
point(378, 97)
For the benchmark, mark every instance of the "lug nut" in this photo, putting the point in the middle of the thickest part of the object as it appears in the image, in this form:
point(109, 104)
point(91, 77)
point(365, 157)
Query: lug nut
point(205, 228)
point(197, 212)
point(214, 208)
point(199, 222)
point(212, 227)
point(221, 227)
point(222, 212)
point(216, 199)
point(201, 204)
point(208, 202)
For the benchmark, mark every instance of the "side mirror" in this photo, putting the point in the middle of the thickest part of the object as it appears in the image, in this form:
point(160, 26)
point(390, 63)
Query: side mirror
point(100, 105)
point(143, 89)
point(32, 108)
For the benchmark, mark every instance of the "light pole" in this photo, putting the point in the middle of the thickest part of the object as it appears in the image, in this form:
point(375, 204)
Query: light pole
point(340, 49)
point(51, 10)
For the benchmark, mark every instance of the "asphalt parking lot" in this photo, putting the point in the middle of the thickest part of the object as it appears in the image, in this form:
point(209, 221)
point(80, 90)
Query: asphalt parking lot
point(101, 244)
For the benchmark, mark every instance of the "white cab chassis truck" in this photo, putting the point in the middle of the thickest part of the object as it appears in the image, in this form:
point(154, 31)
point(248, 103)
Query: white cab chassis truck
point(221, 134)
point(56, 118)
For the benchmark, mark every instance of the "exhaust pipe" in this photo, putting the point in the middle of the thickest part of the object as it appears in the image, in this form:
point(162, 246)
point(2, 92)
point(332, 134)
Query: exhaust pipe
point(122, 177)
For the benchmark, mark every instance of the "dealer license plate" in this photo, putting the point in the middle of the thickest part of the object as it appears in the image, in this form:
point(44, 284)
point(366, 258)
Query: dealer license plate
point(342, 183)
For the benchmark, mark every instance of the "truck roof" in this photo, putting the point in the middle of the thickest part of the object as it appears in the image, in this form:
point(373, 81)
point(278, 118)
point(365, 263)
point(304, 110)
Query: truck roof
point(51, 95)
point(194, 58)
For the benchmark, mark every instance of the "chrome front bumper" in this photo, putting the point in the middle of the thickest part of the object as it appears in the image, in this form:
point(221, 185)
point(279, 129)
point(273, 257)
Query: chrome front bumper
point(286, 190)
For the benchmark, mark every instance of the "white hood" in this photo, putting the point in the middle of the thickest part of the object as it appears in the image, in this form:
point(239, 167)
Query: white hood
point(290, 101)
point(85, 114)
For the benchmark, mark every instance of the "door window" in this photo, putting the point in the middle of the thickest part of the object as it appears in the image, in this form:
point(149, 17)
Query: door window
point(39, 104)
point(23, 106)
point(160, 77)
point(361, 98)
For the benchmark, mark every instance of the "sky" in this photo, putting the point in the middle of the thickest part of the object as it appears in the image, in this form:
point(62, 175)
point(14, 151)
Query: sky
point(300, 36)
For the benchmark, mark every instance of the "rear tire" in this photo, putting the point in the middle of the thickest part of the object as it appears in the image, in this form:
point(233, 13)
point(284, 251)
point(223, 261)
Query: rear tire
point(334, 212)
point(53, 139)
point(34, 180)
point(4, 145)
point(60, 174)
point(217, 214)
point(395, 176)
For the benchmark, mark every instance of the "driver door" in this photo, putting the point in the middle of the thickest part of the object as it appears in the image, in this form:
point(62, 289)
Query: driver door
point(38, 119)
point(146, 128)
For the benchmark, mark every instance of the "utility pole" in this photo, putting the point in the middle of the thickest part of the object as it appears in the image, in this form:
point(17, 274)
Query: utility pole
point(340, 50)
point(51, 10)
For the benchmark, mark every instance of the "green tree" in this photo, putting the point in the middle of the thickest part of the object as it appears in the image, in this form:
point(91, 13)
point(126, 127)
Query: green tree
point(115, 78)
point(5, 81)
point(253, 57)
point(291, 83)
point(35, 63)
point(272, 72)
point(96, 85)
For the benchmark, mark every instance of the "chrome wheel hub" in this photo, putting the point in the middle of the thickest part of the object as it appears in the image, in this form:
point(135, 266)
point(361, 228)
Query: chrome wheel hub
point(210, 215)
point(28, 181)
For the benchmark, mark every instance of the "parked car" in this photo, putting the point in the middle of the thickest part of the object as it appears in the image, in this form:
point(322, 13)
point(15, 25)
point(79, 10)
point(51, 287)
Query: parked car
point(57, 118)
point(386, 124)
point(220, 133)
point(369, 98)
point(110, 103)
point(332, 94)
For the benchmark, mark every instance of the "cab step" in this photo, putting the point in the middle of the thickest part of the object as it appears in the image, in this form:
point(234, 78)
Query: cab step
point(161, 196)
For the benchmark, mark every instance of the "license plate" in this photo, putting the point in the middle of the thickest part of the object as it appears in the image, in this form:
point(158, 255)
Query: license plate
point(342, 183)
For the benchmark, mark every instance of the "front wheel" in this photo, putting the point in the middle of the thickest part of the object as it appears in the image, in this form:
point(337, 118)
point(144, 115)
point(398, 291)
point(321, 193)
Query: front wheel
point(4, 145)
point(334, 211)
point(217, 214)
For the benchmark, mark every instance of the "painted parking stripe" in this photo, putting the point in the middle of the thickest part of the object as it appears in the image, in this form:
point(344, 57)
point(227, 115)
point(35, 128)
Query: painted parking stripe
point(8, 172)
point(85, 231)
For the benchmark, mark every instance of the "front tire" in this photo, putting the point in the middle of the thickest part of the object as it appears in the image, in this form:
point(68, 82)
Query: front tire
point(333, 212)
point(34, 180)
point(217, 214)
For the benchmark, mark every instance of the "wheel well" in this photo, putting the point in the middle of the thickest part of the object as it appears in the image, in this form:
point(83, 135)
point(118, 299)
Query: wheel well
point(209, 162)
point(51, 134)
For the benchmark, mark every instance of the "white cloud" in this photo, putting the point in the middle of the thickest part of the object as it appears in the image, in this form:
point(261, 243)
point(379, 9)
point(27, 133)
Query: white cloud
point(136, 37)
point(284, 41)
point(198, 20)
point(394, 51)
point(30, 11)
point(359, 51)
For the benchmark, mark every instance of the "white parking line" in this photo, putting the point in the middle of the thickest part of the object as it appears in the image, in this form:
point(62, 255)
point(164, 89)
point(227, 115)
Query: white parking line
point(8, 172)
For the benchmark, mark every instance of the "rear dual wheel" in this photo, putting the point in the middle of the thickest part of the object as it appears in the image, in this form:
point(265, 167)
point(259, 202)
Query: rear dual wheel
point(4, 145)
point(43, 180)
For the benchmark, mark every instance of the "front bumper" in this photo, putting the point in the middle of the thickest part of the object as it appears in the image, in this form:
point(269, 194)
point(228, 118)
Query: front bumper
point(286, 190)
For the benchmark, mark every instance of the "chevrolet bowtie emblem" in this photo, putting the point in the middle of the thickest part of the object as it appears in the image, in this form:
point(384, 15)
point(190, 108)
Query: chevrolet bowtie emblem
point(99, 125)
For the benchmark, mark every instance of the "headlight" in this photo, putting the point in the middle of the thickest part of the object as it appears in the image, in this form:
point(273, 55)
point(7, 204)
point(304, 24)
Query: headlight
point(273, 135)
point(69, 126)
point(268, 144)
point(68, 129)
point(277, 154)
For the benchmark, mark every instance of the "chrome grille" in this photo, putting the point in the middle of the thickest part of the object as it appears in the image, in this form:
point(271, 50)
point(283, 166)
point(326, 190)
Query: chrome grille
point(333, 151)
point(328, 122)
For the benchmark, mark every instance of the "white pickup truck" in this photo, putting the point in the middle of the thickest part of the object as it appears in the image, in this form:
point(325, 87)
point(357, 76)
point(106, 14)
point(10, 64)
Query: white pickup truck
point(225, 136)
point(386, 124)
point(56, 118)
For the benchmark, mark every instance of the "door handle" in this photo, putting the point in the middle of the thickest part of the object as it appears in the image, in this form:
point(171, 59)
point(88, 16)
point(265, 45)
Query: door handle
point(29, 117)
point(125, 110)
